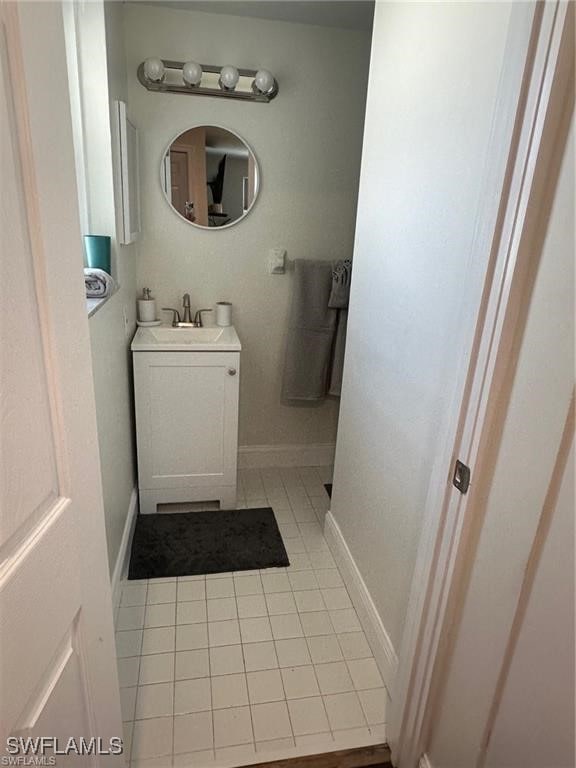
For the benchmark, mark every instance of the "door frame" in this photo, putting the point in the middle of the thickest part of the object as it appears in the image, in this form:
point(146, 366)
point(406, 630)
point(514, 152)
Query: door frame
point(541, 44)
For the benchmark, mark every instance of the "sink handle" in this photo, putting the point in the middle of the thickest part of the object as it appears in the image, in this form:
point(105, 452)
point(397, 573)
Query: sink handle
point(175, 316)
point(198, 317)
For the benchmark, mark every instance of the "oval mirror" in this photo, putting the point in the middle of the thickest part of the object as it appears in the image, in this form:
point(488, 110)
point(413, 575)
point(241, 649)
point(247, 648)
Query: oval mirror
point(210, 176)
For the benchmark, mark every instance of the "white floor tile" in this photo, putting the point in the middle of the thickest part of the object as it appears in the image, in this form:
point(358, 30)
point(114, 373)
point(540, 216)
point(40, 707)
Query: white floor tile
point(354, 645)
point(191, 612)
point(336, 598)
point(128, 643)
point(333, 677)
point(365, 674)
point(286, 626)
point(322, 560)
point(226, 660)
point(317, 623)
point(191, 637)
point(265, 686)
point(374, 703)
point(160, 640)
point(192, 590)
point(292, 652)
point(271, 721)
point(232, 727)
point(351, 737)
point(192, 664)
point(222, 608)
point(275, 582)
point(193, 732)
point(294, 547)
point(308, 716)
point(310, 600)
point(152, 738)
point(300, 562)
point(329, 578)
point(324, 649)
point(276, 745)
point(259, 656)
point(300, 682)
point(156, 668)
point(164, 592)
point(248, 585)
point(223, 587)
point(127, 732)
point(128, 671)
point(251, 606)
point(255, 630)
point(202, 759)
point(239, 753)
point(378, 733)
point(134, 594)
point(192, 696)
point(128, 703)
point(316, 742)
point(223, 632)
point(229, 691)
point(280, 602)
point(130, 617)
point(301, 580)
point(345, 620)
point(162, 615)
point(344, 711)
point(155, 701)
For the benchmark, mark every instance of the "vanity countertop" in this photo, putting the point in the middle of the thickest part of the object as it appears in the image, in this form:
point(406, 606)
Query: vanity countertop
point(165, 338)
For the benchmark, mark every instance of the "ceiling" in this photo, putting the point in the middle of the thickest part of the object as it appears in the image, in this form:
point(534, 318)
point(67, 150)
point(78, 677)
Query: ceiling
point(346, 14)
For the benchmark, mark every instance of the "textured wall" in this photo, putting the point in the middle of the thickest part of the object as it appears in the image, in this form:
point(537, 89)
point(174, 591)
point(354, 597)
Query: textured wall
point(434, 77)
point(308, 145)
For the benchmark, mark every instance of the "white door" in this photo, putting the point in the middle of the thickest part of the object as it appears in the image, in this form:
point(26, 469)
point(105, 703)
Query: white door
point(57, 660)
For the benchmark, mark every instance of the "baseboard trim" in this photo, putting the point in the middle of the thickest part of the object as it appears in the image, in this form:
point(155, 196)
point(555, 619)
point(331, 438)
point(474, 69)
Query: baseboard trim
point(123, 557)
point(303, 455)
point(372, 625)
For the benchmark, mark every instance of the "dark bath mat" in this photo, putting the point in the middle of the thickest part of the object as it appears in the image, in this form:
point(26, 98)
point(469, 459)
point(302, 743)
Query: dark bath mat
point(328, 487)
point(192, 543)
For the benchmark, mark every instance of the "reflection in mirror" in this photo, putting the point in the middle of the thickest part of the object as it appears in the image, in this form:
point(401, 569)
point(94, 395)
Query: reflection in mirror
point(210, 176)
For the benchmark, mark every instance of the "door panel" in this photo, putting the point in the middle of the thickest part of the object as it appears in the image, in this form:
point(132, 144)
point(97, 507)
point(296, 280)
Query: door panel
point(57, 661)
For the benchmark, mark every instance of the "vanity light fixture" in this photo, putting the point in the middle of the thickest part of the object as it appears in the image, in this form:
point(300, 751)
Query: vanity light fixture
point(192, 73)
point(154, 70)
point(228, 77)
point(164, 76)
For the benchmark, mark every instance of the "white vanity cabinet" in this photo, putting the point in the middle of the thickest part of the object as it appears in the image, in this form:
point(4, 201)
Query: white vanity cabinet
point(186, 425)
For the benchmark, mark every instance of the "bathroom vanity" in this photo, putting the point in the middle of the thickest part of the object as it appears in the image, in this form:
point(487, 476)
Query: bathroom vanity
point(186, 383)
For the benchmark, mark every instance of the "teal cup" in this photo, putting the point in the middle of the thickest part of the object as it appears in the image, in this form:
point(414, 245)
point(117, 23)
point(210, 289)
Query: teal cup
point(97, 250)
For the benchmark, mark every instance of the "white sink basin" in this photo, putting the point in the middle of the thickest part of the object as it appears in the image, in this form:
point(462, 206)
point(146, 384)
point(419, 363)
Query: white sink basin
point(164, 338)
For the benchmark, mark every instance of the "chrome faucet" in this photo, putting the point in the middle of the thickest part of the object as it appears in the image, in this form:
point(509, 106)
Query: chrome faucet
point(186, 304)
point(186, 321)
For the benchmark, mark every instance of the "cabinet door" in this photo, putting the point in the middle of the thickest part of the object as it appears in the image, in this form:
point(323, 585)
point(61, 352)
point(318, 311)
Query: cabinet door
point(186, 418)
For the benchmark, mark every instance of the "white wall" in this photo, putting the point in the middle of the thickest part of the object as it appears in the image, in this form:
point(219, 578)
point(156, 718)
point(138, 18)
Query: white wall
point(434, 78)
point(534, 726)
point(307, 142)
point(101, 46)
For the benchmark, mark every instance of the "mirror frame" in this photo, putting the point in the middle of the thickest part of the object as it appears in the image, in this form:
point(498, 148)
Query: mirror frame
point(258, 179)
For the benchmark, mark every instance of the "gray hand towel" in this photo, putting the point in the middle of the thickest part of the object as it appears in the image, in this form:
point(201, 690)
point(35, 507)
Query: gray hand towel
point(311, 330)
point(98, 284)
point(341, 277)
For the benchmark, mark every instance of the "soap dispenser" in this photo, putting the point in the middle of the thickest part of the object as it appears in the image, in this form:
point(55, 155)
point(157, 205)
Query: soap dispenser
point(147, 307)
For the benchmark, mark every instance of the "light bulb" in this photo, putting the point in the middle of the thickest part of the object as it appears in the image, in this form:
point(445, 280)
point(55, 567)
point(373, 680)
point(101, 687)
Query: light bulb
point(192, 73)
point(263, 81)
point(154, 69)
point(229, 77)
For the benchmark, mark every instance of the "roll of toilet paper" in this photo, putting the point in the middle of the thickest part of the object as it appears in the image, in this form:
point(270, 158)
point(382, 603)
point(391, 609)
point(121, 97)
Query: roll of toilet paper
point(223, 313)
point(146, 310)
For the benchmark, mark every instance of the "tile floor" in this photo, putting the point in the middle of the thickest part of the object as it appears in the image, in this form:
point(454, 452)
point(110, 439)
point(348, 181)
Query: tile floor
point(225, 669)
